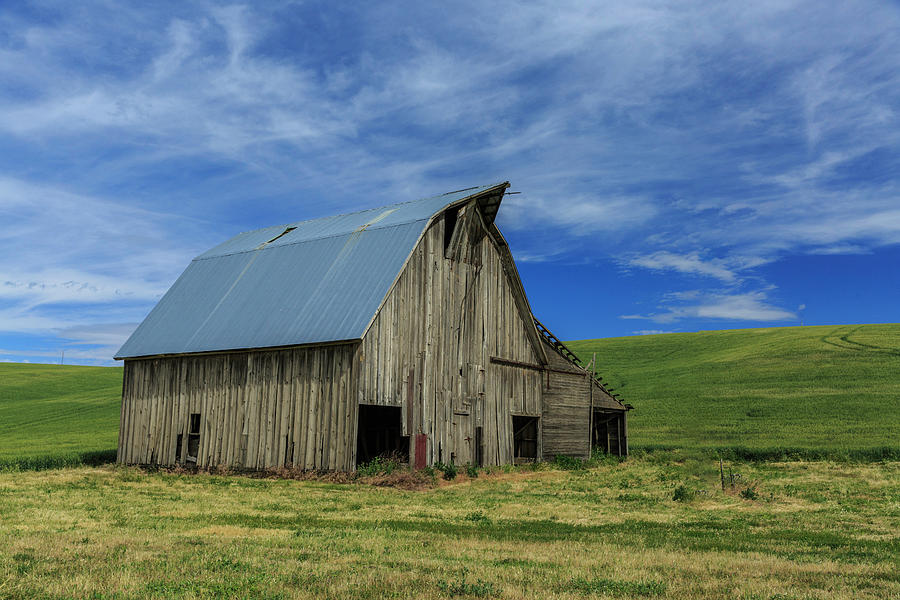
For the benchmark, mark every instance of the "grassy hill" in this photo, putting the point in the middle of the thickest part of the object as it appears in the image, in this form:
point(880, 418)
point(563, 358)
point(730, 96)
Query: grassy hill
point(827, 388)
point(51, 414)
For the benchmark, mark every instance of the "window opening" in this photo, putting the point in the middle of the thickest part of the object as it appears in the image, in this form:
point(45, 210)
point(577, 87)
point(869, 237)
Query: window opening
point(193, 445)
point(525, 439)
point(450, 219)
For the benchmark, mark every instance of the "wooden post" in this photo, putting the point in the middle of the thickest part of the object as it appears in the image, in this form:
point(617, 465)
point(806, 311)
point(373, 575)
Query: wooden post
point(619, 434)
point(591, 418)
point(722, 474)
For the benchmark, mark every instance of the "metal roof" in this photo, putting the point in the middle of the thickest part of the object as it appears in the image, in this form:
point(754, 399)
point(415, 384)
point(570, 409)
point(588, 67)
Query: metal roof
point(307, 282)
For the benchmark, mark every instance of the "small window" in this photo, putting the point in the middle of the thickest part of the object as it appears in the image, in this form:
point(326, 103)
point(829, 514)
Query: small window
point(193, 445)
point(450, 219)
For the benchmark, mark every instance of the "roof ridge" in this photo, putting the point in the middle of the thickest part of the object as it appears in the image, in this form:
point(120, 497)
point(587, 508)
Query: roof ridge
point(372, 225)
point(356, 212)
point(303, 241)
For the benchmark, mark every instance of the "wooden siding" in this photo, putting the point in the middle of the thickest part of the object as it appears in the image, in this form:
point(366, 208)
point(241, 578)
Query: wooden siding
point(569, 396)
point(429, 349)
point(567, 409)
point(453, 345)
point(261, 409)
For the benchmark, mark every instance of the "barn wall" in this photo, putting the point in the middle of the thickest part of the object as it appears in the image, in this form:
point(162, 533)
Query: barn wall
point(262, 409)
point(566, 410)
point(429, 349)
point(568, 400)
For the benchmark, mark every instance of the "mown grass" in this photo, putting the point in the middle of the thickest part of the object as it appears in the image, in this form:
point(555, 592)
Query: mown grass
point(815, 530)
point(764, 394)
point(52, 415)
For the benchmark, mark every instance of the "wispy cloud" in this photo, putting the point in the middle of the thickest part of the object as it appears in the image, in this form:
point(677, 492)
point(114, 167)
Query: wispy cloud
point(687, 140)
point(750, 306)
point(690, 264)
point(73, 264)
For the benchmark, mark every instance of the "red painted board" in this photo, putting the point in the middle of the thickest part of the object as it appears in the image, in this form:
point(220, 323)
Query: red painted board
point(421, 441)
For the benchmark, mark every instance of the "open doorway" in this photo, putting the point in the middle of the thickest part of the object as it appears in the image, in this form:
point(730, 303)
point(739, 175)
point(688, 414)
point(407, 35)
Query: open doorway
point(608, 434)
point(380, 433)
point(525, 439)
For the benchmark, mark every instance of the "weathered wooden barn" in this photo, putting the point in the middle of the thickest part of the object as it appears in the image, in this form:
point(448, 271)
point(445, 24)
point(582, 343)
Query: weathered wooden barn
point(324, 343)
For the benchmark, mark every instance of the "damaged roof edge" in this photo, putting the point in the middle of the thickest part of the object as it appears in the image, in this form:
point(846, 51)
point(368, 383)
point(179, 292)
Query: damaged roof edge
point(485, 190)
point(392, 215)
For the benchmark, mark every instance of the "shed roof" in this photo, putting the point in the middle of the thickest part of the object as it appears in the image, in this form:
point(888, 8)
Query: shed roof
point(308, 282)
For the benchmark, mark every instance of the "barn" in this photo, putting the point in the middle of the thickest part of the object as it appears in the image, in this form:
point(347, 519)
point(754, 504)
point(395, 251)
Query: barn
point(322, 344)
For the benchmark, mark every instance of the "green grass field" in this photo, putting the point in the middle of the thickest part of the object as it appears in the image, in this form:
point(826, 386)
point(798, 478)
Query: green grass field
point(658, 525)
point(812, 530)
point(831, 391)
point(828, 389)
point(51, 414)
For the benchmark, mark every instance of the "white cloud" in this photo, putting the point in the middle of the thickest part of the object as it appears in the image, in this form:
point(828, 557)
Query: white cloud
point(840, 249)
point(749, 306)
point(81, 262)
point(690, 264)
point(111, 335)
point(51, 286)
point(690, 139)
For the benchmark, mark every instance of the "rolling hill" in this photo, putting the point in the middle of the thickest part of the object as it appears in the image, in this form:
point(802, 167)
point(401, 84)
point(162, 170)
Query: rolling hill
point(52, 414)
point(808, 390)
point(825, 388)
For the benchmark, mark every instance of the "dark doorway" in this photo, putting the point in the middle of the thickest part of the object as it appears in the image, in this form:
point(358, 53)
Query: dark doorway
point(479, 447)
point(380, 433)
point(608, 434)
point(525, 439)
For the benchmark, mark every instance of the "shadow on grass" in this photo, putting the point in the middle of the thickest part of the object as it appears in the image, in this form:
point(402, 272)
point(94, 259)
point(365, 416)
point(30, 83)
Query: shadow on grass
point(665, 452)
point(91, 458)
point(773, 454)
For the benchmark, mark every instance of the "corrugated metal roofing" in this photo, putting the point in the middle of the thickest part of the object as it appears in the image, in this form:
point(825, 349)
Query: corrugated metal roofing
point(307, 282)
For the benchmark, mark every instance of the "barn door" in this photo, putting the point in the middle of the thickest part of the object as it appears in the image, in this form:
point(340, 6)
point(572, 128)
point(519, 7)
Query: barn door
point(463, 434)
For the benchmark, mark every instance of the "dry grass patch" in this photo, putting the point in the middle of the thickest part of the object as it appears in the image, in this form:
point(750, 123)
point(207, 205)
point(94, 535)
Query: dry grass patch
point(612, 531)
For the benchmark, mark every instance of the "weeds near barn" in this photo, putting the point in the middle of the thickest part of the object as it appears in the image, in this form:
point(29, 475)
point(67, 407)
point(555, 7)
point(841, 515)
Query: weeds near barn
point(448, 469)
point(381, 465)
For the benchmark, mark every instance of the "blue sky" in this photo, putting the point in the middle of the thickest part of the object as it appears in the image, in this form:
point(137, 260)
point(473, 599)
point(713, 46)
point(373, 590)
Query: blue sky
point(682, 166)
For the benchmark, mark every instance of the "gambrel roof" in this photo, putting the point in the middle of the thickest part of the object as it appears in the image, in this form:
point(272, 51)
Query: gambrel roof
point(309, 282)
